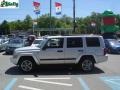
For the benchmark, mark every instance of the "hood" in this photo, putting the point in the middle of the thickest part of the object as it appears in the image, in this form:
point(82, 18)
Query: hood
point(27, 49)
point(34, 45)
point(115, 44)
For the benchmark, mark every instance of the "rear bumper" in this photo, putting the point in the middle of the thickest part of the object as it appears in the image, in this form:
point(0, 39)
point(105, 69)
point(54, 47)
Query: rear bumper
point(100, 59)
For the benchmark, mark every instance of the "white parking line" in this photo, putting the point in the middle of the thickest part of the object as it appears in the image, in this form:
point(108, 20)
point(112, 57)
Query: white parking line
point(49, 82)
point(67, 78)
point(29, 88)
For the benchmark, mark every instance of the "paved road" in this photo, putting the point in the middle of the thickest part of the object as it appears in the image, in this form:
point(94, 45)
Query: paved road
point(105, 77)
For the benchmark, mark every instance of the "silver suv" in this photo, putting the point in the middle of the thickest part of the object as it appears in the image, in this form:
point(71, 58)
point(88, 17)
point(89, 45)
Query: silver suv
point(83, 51)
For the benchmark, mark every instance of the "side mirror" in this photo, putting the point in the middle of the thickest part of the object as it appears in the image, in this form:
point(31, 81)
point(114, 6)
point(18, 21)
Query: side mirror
point(44, 48)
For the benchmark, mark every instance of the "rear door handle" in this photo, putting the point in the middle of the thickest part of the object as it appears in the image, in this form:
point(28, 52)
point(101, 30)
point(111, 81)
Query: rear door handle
point(59, 50)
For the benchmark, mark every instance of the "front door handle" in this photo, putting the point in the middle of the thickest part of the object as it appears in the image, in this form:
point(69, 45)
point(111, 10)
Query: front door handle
point(59, 50)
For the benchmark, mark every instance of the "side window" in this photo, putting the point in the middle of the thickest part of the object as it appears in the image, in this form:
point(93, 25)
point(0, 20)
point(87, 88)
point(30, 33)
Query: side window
point(55, 43)
point(92, 42)
point(75, 42)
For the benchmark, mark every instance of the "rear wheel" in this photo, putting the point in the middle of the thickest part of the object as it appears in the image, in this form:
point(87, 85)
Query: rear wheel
point(87, 65)
point(27, 65)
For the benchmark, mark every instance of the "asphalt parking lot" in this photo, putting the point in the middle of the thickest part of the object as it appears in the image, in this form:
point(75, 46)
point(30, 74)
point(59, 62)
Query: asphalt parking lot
point(106, 76)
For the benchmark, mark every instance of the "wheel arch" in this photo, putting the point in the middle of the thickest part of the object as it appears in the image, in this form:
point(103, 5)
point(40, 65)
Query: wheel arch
point(28, 57)
point(87, 57)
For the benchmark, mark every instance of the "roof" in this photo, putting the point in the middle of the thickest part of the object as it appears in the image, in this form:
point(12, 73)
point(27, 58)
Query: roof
point(89, 35)
point(39, 39)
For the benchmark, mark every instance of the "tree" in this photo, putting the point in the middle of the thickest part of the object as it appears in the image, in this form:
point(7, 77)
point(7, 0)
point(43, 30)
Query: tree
point(12, 25)
point(18, 25)
point(4, 28)
point(96, 17)
point(27, 23)
point(66, 21)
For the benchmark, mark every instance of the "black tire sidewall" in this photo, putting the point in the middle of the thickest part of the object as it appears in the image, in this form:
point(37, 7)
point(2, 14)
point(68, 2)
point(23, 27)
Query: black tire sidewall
point(33, 65)
point(80, 63)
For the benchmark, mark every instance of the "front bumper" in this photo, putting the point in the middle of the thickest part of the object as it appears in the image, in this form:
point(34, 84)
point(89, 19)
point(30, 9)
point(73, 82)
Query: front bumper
point(14, 59)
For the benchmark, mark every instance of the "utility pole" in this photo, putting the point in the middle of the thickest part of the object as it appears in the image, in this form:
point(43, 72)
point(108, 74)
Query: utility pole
point(74, 25)
point(50, 14)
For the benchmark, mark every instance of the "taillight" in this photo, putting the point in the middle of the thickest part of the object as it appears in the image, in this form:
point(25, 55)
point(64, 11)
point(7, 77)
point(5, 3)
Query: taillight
point(105, 51)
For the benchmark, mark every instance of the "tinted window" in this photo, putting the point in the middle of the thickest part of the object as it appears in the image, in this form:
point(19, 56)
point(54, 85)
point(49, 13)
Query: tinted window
point(55, 43)
point(16, 41)
point(37, 42)
point(93, 42)
point(74, 42)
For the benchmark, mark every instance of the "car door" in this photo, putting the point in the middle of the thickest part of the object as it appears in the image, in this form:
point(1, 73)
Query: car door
point(74, 48)
point(94, 46)
point(2, 45)
point(53, 52)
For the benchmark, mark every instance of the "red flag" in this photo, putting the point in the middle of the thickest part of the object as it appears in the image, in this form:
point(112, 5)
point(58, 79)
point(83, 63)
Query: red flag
point(36, 4)
point(58, 8)
point(58, 4)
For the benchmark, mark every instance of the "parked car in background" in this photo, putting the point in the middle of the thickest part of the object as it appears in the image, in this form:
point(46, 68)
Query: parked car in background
point(36, 42)
point(3, 44)
point(14, 44)
point(119, 40)
point(112, 46)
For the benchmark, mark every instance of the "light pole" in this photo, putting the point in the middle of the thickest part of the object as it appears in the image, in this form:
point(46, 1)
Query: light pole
point(74, 16)
point(50, 13)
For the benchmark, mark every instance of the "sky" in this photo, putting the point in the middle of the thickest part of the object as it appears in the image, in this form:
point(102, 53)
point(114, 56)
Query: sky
point(83, 8)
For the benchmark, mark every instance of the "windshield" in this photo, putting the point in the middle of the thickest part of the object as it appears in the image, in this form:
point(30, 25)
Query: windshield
point(42, 43)
point(15, 41)
point(37, 42)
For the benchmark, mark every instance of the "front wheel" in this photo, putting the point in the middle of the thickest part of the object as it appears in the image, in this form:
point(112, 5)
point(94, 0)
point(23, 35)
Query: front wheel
point(27, 65)
point(87, 65)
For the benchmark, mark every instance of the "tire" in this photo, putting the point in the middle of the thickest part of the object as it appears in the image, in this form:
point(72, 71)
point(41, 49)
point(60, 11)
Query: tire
point(27, 65)
point(87, 65)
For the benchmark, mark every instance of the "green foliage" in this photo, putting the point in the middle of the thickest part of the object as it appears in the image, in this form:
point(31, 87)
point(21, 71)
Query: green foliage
point(27, 23)
point(63, 22)
point(83, 25)
point(4, 28)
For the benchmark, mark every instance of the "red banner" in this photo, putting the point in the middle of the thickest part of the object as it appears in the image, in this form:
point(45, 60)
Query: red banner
point(36, 4)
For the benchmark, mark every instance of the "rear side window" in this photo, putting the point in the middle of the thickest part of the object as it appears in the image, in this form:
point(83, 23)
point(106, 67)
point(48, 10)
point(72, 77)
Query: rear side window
point(74, 42)
point(92, 42)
